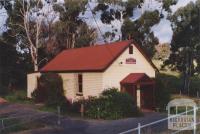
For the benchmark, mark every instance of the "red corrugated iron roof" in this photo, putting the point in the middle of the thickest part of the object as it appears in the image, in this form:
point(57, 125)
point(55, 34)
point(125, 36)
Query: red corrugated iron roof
point(88, 59)
point(135, 78)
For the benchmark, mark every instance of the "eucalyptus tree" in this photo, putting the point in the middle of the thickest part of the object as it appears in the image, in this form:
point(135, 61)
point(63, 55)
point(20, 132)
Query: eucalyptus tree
point(140, 31)
point(71, 31)
point(185, 45)
point(24, 26)
point(42, 28)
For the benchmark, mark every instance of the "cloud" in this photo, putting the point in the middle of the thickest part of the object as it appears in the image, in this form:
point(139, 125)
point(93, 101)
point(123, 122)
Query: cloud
point(163, 31)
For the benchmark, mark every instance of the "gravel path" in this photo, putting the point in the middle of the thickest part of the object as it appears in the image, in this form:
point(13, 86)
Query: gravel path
point(78, 126)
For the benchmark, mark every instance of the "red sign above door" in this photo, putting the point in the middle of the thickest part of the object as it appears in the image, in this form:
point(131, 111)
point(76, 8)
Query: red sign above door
point(130, 61)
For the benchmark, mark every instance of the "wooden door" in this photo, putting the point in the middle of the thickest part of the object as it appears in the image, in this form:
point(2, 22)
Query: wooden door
point(147, 97)
point(130, 89)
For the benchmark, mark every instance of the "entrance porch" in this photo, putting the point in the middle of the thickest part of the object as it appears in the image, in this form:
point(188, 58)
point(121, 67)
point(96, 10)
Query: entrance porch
point(142, 88)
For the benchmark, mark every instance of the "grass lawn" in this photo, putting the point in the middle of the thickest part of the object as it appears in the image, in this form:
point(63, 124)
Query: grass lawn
point(19, 96)
point(167, 71)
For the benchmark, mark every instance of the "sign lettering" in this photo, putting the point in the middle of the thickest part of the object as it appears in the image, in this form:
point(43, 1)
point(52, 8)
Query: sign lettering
point(130, 61)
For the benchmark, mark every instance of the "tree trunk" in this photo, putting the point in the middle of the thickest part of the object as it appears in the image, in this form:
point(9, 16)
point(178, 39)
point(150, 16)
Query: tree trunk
point(187, 72)
point(35, 67)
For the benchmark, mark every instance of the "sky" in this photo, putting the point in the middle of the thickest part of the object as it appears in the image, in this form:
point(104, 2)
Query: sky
point(3, 17)
point(162, 30)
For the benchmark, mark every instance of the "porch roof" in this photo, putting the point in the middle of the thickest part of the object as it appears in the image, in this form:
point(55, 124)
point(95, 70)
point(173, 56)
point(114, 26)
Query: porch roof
point(137, 78)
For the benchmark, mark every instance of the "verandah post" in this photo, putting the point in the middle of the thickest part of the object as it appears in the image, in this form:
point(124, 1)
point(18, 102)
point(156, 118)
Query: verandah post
point(138, 96)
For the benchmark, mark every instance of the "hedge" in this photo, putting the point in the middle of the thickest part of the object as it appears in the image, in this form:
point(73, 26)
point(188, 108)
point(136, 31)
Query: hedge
point(111, 104)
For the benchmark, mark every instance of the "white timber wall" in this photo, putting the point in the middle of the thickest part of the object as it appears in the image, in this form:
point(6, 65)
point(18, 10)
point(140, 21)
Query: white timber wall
point(117, 71)
point(69, 83)
point(92, 84)
point(32, 83)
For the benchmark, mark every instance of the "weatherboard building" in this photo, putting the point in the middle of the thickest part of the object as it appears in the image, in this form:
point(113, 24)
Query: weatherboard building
point(90, 70)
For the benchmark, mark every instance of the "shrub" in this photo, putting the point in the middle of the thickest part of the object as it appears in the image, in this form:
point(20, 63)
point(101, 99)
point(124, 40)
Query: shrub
point(162, 94)
point(194, 85)
point(50, 90)
point(3, 90)
point(170, 82)
point(111, 105)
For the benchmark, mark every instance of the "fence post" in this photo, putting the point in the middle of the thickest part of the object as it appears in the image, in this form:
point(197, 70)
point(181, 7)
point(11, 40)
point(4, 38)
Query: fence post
point(82, 110)
point(59, 122)
point(139, 128)
point(195, 117)
point(2, 123)
point(98, 117)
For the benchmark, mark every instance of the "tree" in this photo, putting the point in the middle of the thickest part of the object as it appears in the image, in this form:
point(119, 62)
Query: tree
point(71, 31)
point(116, 9)
point(112, 10)
point(162, 51)
point(39, 30)
point(8, 64)
point(168, 3)
point(185, 44)
point(24, 23)
point(140, 31)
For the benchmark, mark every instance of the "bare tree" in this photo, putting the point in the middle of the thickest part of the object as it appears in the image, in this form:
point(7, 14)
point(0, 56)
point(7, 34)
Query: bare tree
point(35, 18)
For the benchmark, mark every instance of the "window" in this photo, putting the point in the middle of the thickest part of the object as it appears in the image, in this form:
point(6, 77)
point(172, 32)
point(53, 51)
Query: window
point(80, 83)
point(130, 49)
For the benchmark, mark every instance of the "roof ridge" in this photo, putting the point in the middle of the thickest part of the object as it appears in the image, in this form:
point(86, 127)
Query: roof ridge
point(98, 45)
point(71, 63)
point(91, 58)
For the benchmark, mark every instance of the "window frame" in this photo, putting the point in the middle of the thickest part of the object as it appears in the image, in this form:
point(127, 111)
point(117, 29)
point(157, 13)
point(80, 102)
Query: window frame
point(80, 83)
point(130, 49)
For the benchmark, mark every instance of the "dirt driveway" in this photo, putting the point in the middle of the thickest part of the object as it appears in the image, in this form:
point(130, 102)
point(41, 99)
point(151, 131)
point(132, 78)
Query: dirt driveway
point(29, 116)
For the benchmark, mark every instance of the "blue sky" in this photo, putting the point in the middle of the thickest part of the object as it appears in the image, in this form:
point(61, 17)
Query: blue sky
point(162, 30)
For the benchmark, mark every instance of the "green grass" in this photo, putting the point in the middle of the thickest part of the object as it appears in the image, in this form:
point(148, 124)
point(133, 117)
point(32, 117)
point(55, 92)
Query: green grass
point(167, 71)
point(19, 96)
point(47, 109)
